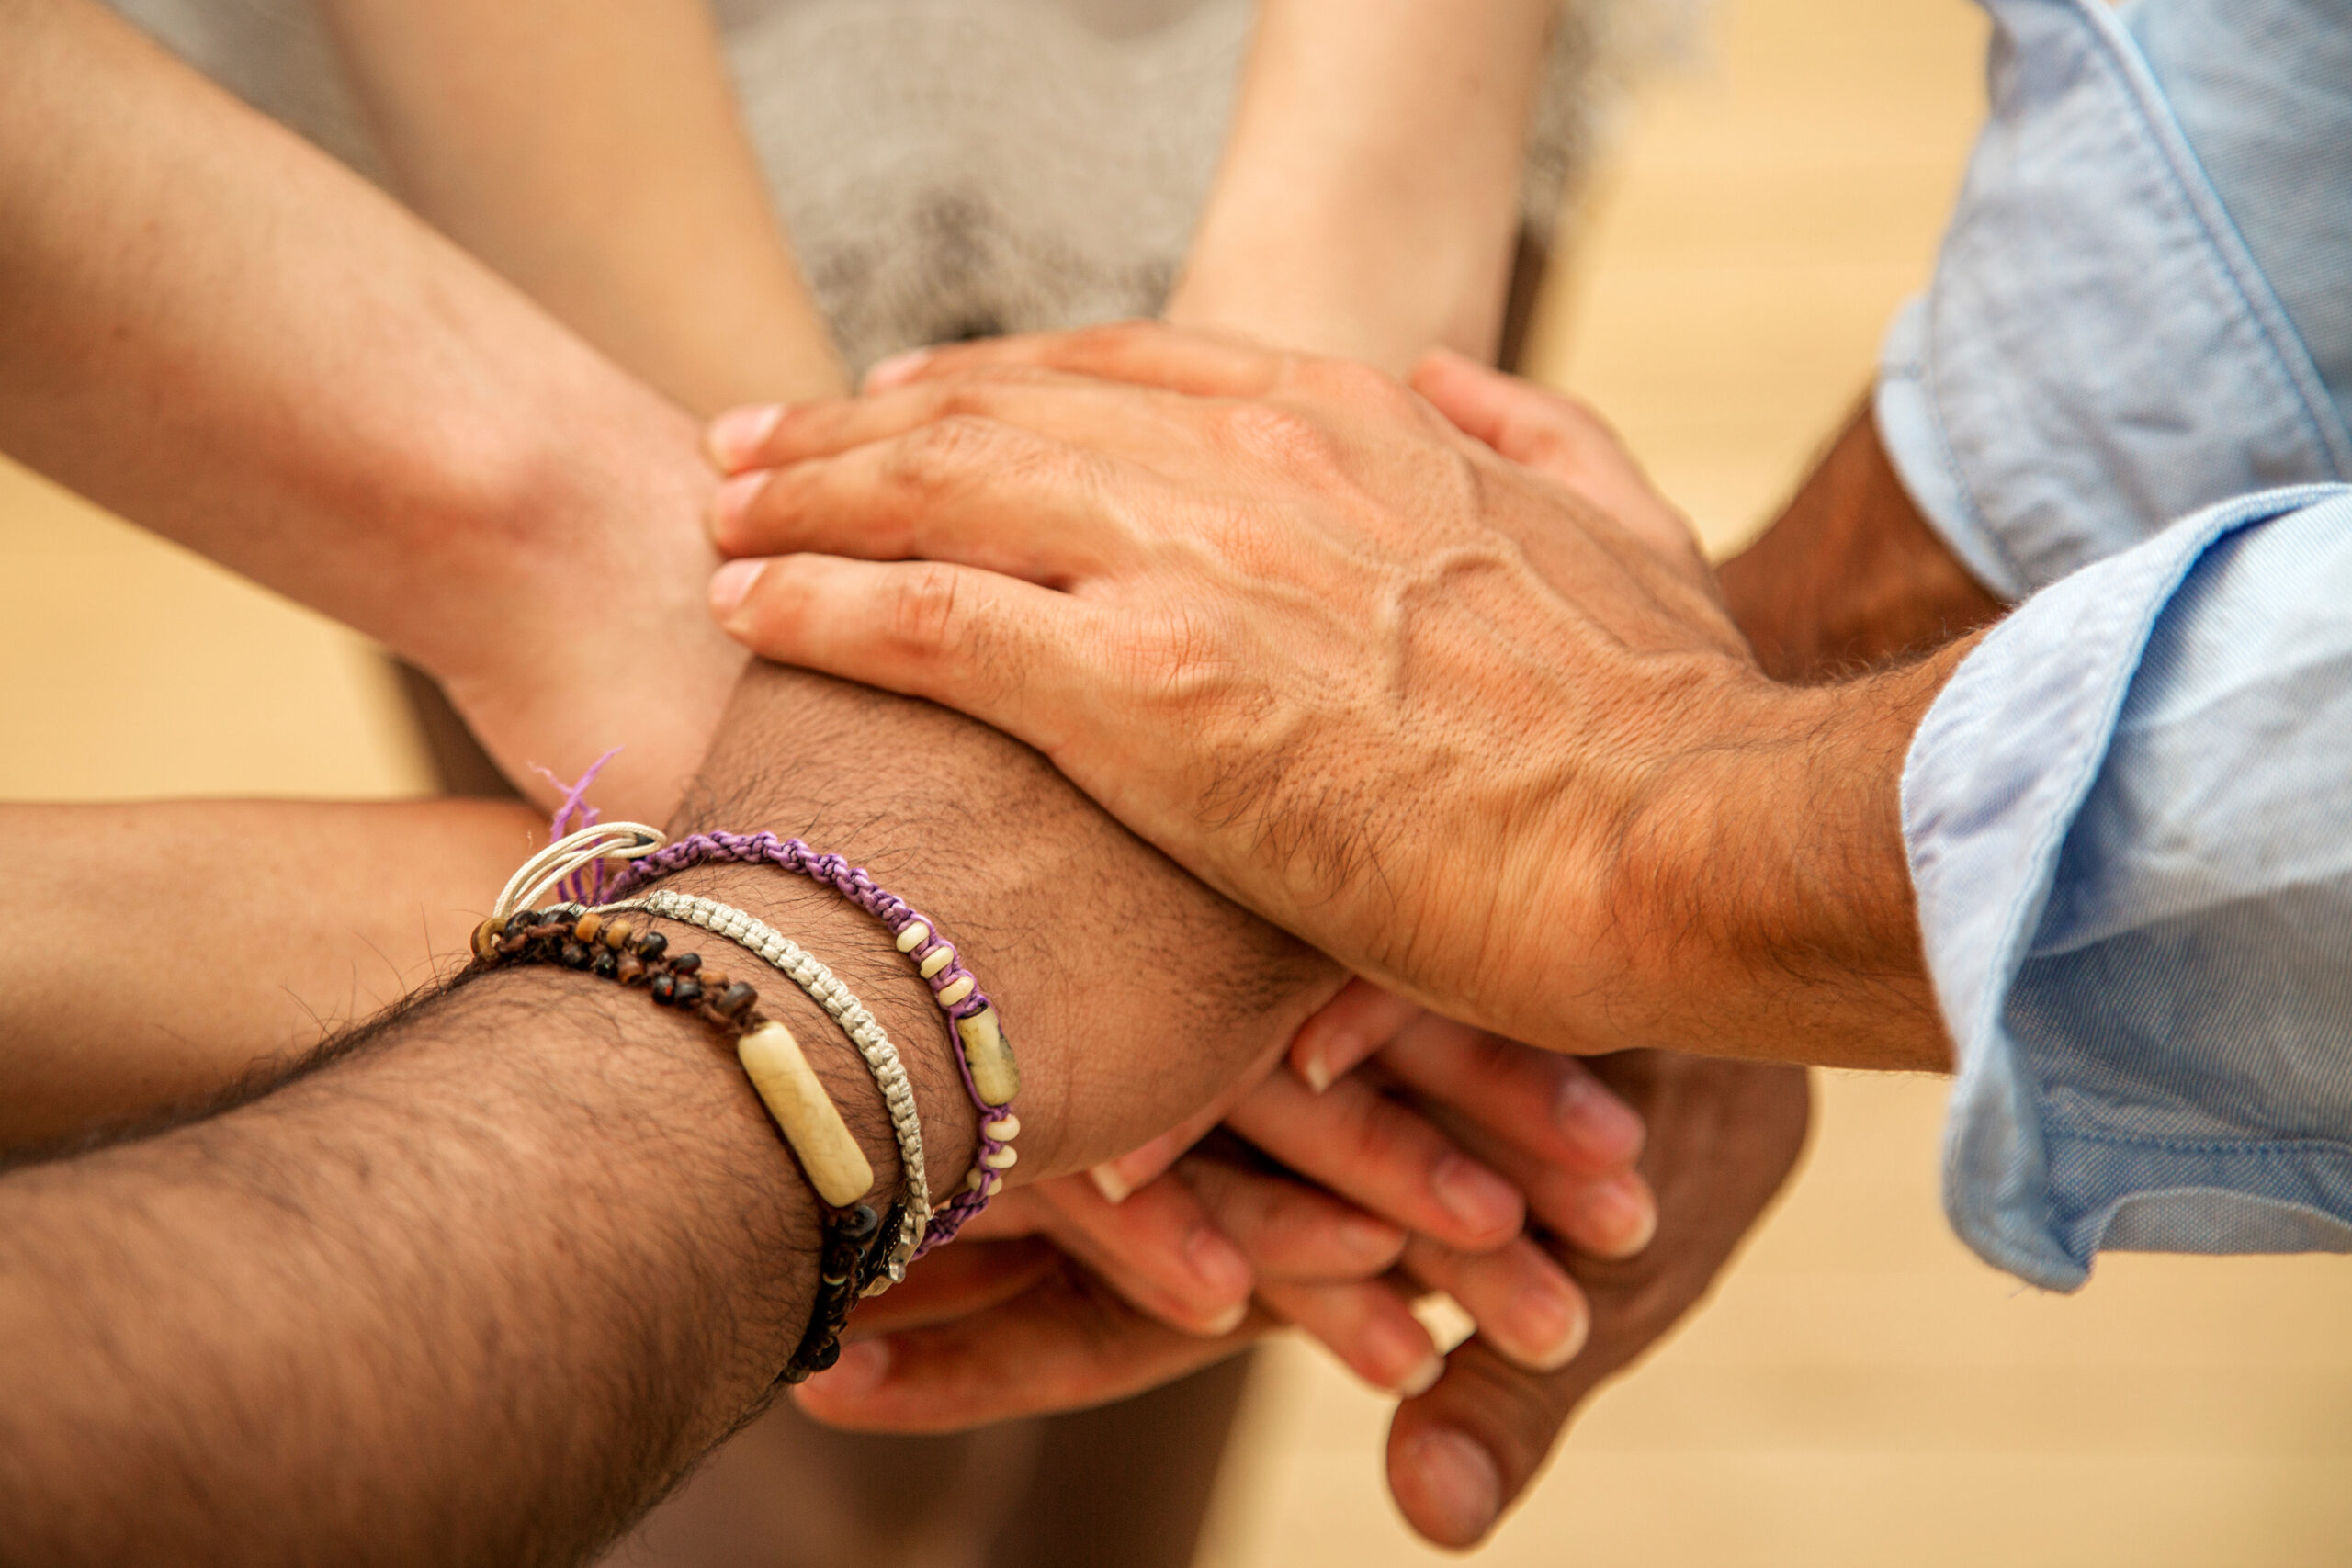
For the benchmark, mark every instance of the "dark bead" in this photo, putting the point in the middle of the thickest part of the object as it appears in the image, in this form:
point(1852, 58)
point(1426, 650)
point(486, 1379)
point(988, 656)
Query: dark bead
point(652, 945)
point(688, 992)
point(607, 962)
point(663, 988)
point(859, 1225)
point(735, 1000)
point(827, 1354)
point(632, 969)
point(573, 956)
point(686, 963)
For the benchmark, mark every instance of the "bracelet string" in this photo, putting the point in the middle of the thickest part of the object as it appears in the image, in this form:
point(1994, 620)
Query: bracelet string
point(984, 1055)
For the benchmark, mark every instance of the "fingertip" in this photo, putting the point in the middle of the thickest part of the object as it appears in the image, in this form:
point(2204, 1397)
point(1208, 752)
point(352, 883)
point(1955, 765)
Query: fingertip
point(896, 370)
point(1628, 1215)
point(735, 438)
point(1449, 1486)
point(858, 1372)
point(1608, 1132)
point(730, 585)
point(731, 501)
point(1115, 1189)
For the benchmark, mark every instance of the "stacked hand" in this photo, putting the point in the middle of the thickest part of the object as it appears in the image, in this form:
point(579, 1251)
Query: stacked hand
point(1116, 528)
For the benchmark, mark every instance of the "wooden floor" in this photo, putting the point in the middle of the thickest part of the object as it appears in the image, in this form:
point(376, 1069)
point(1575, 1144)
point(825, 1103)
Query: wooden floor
point(1861, 1392)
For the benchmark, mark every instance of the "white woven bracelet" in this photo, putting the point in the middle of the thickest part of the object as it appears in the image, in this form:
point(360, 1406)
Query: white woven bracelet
point(804, 970)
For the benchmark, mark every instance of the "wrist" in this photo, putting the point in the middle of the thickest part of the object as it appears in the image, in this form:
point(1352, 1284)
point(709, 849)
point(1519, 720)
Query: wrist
point(858, 951)
point(1767, 887)
point(1850, 574)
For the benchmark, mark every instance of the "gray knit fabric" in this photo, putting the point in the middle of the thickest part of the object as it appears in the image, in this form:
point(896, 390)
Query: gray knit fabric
point(954, 167)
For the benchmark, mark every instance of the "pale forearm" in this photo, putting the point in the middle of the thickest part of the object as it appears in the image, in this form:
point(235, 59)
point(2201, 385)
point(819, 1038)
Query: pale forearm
point(1368, 202)
point(312, 917)
point(592, 154)
point(220, 334)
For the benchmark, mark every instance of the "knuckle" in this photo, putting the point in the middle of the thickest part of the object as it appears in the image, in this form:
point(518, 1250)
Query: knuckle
point(922, 608)
point(942, 455)
point(1285, 437)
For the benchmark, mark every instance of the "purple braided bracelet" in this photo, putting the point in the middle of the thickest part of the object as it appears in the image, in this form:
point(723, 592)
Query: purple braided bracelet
point(971, 1019)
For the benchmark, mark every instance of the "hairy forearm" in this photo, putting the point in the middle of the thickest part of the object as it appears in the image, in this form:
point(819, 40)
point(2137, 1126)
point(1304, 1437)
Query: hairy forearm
point(1368, 203)
point(332, 912)
point(473, 1293)
point(222, 334)
point(592, 154)
point(1849, 575)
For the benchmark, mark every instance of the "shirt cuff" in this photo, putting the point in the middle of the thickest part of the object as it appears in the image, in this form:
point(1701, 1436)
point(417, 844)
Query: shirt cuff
point(2128, 1078)
point(2098, 352)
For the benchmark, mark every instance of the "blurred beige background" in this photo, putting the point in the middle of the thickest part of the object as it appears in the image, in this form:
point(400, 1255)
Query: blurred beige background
point(1862, 1391)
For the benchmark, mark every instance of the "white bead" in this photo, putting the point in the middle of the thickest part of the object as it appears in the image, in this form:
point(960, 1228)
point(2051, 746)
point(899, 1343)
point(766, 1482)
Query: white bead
point(837, 1168)
point(972, 1179)
point(939, 958)
point(988, 1058)
point(954, 991)
point(913, 936)
point(1001, 1159)
point(1004, 1129)
point(995, 1185)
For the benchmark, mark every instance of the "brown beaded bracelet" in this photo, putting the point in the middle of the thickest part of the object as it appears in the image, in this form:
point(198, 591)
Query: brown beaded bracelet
point(857, 1244)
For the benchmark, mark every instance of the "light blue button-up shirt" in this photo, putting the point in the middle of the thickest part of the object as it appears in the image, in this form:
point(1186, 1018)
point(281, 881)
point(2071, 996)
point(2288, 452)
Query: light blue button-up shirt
point(2129, 814)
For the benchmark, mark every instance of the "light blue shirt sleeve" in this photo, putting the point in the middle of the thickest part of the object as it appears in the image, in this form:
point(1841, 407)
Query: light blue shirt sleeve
point(2141, 305)
point(2130, 824)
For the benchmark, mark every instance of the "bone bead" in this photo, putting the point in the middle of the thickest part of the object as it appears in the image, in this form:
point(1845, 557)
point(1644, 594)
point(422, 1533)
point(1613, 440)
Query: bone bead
point(914, 936)
point(1003, 1129)
point(486, 937)
point(1001, 1159)
point(939, 958)
point(837, 1168)
point(988, 1058)
point(954, 991)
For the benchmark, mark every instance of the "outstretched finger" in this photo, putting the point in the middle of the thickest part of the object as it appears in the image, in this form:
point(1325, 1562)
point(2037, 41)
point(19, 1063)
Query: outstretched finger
point(1523, 1303)
point(1367, 1323)
point(1549, 1105)
point(1067, 1343)
point(1383, 1156)
point(1161, 1249)
point(968, 490)
point(1289, 1230)
point(1352, 1025)
point(992, 647)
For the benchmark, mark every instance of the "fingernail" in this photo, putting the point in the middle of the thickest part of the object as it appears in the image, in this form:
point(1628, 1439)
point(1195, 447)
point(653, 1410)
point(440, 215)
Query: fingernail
point(734, 497)
point(1548, 1326)
point(732, 583)
point(1374, 1241)
point(1109, 1182)
point(897, 368)
point(1626, 1210)
point(735, 436)
point(1422, 1378)
point(1597, 1121)
point(1317, 1070)
point(1228, 1320)
point(1218, 1264)
point(1398, 1355)
point(1483, 1201)
point(859, 1371)
point(1463, 1484)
